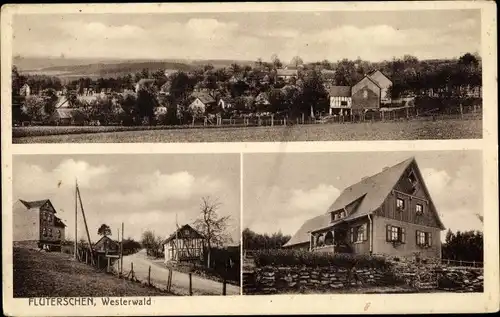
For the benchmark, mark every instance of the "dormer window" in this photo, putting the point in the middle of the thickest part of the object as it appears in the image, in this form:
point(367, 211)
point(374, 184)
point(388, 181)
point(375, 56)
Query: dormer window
point(400, 204)
point(342, 214)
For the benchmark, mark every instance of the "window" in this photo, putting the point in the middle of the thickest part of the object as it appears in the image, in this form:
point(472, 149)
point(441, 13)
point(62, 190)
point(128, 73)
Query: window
point(365, 94)
point(50, 232)
point(419, 209)
point(359, 234)
point(400, 204)
point(59, 233)
point(44, 232)
point(342, 214)
point(424, 239)
point(395, 234)
point(343, 103)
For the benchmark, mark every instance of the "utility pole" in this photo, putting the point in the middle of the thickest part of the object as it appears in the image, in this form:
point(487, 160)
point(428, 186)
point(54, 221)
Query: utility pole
point(76, 220)
point(121, 251)
point(85, 222)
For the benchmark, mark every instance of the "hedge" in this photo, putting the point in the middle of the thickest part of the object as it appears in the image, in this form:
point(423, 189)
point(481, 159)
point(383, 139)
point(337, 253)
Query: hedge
point(287, 257)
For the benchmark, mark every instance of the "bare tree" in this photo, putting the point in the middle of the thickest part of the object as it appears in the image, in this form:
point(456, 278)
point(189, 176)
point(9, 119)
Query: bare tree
point(211, 225)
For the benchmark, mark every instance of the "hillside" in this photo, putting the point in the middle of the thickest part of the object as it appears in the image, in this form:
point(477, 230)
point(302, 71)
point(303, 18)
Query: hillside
point(70, 68)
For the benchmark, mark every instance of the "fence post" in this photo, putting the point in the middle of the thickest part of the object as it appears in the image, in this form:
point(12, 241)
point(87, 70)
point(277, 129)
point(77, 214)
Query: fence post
point(461, 112)
point(284, 121)
point(224, 287)
point(190, 284)
point(302, 118)
point(149, 275)
point(272, 120)
point(460, 262)
point(473, 263)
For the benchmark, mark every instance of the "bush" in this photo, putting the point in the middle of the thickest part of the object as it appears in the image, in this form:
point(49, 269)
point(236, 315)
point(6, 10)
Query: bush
point(285, 257)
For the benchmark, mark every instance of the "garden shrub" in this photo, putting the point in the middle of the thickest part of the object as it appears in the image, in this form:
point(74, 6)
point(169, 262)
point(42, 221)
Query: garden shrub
point(286, 257)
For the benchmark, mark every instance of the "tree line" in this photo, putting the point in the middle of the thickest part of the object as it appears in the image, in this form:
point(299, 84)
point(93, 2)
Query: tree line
point(463, 246)
point(248, 88)
point(257, 241)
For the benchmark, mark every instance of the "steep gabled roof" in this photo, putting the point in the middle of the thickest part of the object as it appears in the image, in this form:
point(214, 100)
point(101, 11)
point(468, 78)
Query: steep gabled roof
point(180, 233)
point(108, 238)
point(376, 188)
point(339, 91)
point(379, 78)
point(371, 191)
point(34, 204)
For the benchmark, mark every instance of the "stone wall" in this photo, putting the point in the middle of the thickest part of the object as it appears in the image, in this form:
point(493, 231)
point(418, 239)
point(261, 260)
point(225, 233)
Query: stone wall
point(269, 280)
point(418, 275)
point(434, 275)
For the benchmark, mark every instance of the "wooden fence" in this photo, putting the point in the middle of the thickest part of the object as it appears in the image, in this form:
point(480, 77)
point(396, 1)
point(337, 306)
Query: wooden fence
point(166, 283)
point(461, 263)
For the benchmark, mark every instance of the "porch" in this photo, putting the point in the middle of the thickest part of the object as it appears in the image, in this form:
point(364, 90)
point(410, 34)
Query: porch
point(331, 239)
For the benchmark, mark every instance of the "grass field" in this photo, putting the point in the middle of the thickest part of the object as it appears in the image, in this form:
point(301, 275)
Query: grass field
point(395, 130)
point(40, 274)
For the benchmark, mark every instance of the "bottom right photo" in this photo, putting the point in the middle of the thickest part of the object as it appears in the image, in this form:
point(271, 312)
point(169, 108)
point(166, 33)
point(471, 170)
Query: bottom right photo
point(363, 222)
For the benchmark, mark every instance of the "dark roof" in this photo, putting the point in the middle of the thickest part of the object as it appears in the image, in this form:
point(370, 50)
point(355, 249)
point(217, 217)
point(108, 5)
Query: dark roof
point(339, 91)
point(106, 237)
point(372, 191)
point(35, 203)
point(180, 233)
point(58, 222)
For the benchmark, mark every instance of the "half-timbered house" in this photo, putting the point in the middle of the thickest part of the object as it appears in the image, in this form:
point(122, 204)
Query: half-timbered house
point(390, 213)
point(185, 244)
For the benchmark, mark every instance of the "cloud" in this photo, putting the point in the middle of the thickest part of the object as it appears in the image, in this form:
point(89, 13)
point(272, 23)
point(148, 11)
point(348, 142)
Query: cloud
point(31, 180)
point(158, 187)
point(314, 198)
point(97, 30)
point(286, 209)
point(455, 198)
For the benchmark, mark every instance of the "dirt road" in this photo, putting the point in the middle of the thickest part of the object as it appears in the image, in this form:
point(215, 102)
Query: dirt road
point(180, 281)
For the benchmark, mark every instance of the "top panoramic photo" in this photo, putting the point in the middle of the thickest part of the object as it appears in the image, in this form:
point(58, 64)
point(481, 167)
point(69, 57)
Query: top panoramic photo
point(247, 76)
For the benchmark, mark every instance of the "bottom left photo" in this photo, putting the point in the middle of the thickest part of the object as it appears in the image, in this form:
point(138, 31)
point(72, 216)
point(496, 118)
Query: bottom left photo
point(126, 225)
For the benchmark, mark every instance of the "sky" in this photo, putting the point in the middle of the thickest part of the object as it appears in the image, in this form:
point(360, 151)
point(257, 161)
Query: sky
point(145, 191)
point(314, 36)
point(281, 192)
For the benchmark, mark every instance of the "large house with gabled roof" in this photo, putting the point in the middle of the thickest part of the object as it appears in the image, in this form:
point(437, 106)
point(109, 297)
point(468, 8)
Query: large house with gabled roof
point(390, 213)
point(35, 224)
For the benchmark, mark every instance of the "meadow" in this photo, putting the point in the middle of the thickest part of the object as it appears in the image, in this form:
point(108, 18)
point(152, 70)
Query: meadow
point(42, 274)
point(393, 130)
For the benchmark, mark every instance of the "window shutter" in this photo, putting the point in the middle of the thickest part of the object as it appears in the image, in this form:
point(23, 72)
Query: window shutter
point(365, 232)
point(403, 235)
point(429, 239)
point(352, 234)
point(416, 237)
point(388, 233)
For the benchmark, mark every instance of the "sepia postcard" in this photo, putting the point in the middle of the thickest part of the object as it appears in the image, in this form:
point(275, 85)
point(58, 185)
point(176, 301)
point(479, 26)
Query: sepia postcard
point(249, 158)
